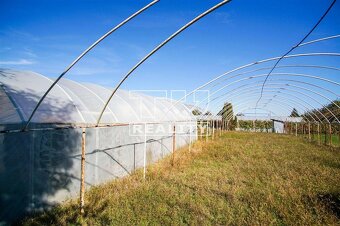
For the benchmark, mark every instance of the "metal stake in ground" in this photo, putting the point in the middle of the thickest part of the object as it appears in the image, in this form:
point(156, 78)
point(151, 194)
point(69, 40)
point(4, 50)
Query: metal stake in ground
point(213, 129)
point(330, 134)
point(190, 136)
point(325, 134)
point(339, 135)
point(144, 154)
point(319, 139)
point(82, 176)
point(173, 145)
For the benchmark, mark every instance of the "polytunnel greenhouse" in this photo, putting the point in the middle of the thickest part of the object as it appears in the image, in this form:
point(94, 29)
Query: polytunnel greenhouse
point(253, 128)
point(49, 155)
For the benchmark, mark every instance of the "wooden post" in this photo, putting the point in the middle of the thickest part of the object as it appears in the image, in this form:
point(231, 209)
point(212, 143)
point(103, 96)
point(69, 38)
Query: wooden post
point(220, 127)
point(296, 129)
point(309, 137)
point(267, 127)
point(190, 137)
point(319, 138)
point(173, 144)
point(213, 129)
point(288, 128)
point(207, 131)
point(201, 129)
point(330, 134)
point(338, 135)
point(325, 135)
point(82, 172)
point(134, 157)
point(144, 154)
point(303, 129)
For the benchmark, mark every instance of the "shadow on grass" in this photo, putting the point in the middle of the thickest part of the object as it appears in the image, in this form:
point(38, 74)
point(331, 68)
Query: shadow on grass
point(331, 201)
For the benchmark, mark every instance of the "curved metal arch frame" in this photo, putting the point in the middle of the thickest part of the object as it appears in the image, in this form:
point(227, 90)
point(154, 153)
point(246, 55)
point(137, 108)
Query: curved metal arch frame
point(279, 90)
point(289, 74)
point(319, 40)
point(256, 63)
point(284, 80)
point(125, 21)
point(246, 108)
point(309, 90)
point(286, 74)
point(263, 109)
point(300, 44)
point(83, 54)
point(283, 66)
point(157, 48)
point(312, 99)
point(98, 97)
point(287, 102)
point(283, 104)
point(319, 94)
point(66, 94)
point(275, 74)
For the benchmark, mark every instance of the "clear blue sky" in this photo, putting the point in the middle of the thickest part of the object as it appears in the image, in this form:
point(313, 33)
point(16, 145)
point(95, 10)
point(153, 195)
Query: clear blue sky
point(45, 36)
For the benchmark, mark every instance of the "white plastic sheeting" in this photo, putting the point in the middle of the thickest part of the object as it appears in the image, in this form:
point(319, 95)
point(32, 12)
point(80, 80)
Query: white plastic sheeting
point(73, 102)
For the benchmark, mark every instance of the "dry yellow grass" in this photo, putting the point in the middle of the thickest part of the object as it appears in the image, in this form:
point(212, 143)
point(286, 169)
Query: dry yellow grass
point(236, 179)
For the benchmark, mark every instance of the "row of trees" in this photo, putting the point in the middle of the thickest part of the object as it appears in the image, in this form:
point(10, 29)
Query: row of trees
point(330, 112)
point(258, 125)
point(326, 111)
point(227, 112)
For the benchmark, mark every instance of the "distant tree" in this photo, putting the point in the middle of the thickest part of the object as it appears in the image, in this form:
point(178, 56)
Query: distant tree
point(227, 112)
point(325, 111)
point(196, 112)
point(208, 113)
point(294, 113)
point(239, 114)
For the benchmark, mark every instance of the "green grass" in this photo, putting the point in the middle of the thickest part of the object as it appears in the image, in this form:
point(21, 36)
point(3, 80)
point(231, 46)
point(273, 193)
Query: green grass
point(335, 139)
point(322, 137)
point(237, 179)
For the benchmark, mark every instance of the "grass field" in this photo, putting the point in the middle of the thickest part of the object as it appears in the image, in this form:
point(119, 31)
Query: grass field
point(237, 179)
point(335, 139)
